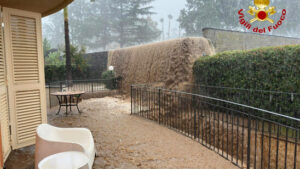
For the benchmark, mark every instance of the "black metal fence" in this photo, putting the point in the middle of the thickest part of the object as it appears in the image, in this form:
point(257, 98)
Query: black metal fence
point(281, 102)
point(245, 135)
point(88, 86)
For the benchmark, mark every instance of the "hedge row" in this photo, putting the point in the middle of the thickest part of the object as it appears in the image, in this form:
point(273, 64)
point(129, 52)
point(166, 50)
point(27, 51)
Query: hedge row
point(272, 69)
point(58, 73)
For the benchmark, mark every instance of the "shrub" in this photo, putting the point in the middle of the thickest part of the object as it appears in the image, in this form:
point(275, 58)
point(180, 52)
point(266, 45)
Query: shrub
point(55, 73)
point(109, 79)
point(273, 69)
point(55, 65)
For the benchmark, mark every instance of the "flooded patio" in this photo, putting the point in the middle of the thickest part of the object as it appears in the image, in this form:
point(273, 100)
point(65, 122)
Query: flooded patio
point(125, 141)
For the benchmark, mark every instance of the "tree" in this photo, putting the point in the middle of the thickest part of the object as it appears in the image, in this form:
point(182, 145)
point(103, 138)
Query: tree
point(78, 60)
point(55, 59)
point(130, 20)
point(162, 21)
point(58, 58)
point(98, 24)
point(85, 23)
point(46, 47)
point(170, 17)
point(90, 23)
point(102, 24)
point(217, 14)
point(67, 45)
point(55, 64)
point(179, 31)
point(222, 14)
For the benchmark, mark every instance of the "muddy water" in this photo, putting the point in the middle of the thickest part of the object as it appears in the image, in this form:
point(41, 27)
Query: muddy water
point(125, 141)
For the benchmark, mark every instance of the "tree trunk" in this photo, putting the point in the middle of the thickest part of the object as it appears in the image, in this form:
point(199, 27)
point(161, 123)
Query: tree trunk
point(163, 30)
point(67, 43)
point(169, 30)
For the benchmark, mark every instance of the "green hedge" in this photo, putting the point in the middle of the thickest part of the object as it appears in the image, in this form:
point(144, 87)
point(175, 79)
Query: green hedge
point(109, 77)
point(275, 68)
point(272, 69)
point(58, 73)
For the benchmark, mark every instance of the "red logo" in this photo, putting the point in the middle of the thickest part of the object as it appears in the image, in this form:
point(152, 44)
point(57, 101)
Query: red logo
point(261, 14)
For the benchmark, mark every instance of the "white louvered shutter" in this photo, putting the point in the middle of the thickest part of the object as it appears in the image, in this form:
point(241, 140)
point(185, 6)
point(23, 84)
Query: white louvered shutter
point(25, 69)
point(4, 115)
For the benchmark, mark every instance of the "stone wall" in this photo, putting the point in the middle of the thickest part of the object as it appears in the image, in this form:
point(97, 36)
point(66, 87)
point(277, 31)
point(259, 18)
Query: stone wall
point(225, 40)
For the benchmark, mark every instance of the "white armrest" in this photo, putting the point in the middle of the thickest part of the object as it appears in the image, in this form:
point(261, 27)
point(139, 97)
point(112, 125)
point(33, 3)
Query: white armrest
point(77, 136)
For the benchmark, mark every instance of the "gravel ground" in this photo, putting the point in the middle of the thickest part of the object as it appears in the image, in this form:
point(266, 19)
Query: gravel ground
point(130, 142)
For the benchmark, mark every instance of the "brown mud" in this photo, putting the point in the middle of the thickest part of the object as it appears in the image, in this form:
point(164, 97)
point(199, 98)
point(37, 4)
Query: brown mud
point(125, 141)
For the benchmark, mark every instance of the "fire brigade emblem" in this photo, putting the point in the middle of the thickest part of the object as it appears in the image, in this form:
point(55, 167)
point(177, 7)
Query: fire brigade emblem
point(260, 12)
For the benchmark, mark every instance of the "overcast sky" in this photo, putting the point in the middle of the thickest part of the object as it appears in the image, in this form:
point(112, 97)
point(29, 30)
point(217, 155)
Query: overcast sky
point(163, 8)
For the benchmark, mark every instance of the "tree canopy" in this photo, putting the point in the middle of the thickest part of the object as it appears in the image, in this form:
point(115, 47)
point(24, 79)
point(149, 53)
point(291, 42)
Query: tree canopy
point(101, 23)
point(223, 14)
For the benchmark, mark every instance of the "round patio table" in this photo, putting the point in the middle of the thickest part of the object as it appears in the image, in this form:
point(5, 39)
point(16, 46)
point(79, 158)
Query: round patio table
point(68, 96)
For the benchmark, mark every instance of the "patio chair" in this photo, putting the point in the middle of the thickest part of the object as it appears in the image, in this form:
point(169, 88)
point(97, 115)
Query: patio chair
point(65, 160)
point(52, 140)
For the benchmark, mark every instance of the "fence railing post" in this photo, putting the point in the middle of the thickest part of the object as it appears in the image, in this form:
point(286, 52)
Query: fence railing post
point(296, 133)
point(92, 87)
point(195, 118)
point(249, 142)
point(60, 86)
point(49, 89)
point(159, 92)
point(131, 99)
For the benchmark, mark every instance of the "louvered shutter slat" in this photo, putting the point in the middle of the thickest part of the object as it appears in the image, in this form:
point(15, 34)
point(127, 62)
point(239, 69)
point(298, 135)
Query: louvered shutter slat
point(26, 80)
point(24, 26)
point(4, 114)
